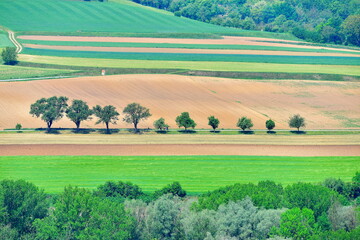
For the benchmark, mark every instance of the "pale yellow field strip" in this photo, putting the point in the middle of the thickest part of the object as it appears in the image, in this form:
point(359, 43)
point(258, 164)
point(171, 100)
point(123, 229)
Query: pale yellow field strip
point(42, 138)
point(184, 50)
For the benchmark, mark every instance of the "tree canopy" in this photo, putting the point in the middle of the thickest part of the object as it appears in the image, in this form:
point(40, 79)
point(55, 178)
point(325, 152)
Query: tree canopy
point(78, 111)
point(270, 124)
point(107, 114)
point(134, 113)
point(9, 55)
point(213, 122)
point(160, 124)
point(50, 109)
point(297, 121)
point(184, 120)
point(244, 123)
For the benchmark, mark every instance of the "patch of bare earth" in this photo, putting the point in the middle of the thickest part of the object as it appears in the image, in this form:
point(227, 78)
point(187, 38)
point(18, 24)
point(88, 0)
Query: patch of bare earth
point(227, 40)
point(184, 50)
point(172, 149)
point(169, 95)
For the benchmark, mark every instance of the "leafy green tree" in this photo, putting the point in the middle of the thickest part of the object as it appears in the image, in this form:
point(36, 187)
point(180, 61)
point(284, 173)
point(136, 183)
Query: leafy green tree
point(77, 214)
point(351, 29)
point(297, 224)
point(160, 124)
point(197, 225)
point(270, 124)
point(9, 55)
point(184, 120)
point(8, 233)
point(50, 109)
point(78, 111)
point(244, 123)
point(18, 126)
point(134, 113)
point(213, 122)
point(297, 121)
point(23, 203)
point(106, 115)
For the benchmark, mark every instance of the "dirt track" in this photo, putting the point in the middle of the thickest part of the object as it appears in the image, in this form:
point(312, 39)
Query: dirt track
point(321, 103)
point(225, 41)
point(183, 50)
point(169, 149)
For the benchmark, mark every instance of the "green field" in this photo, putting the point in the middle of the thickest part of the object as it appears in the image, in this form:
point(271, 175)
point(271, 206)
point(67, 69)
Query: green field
point(185, 46)
point(91, 18)
point(197, 174)
point(195, 65)
point(15, 72)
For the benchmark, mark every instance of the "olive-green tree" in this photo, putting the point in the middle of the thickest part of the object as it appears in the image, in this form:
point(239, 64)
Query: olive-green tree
point(213, 122)
point(160, 124)
point(184, 120)
point(244, 123)
point(9, 55)
point(297, 121)
point(107, 114)
point(270, 124)
point(134, 113)
point(78, 111)
point(50, 109)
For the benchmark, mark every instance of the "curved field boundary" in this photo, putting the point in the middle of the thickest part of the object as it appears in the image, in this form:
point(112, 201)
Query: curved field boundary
point(12, 38)
point(183, 50)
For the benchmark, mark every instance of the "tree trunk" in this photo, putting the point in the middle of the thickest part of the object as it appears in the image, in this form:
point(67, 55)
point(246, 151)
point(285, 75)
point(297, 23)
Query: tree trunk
point(298, 129)
point(107, 127)
point(49, 124)
point(77, 125)
point(135, 126)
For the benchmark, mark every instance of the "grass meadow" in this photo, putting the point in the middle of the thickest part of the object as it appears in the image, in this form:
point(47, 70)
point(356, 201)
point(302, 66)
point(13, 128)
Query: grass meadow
point(16, 72)
point(197, 174)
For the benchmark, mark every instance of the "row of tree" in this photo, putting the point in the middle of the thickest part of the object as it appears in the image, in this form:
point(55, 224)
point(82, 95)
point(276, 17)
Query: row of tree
point(119, 210)
point(53, 109)
point(327, 21)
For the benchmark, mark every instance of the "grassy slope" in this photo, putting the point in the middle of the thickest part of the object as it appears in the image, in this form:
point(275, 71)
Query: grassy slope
point(196, 173)
point(92, 17)
point(186, 46)
point(15, 72)
point(200, 65)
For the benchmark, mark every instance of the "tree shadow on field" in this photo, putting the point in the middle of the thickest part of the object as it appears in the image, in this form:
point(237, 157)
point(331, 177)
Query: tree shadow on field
point(216, 131)
point(271, 132)
point(250, 132)
point(298, 132)
point(53, 131)
point(161, 131)
point(187, 131)
point(82, 131)
point(110, 131)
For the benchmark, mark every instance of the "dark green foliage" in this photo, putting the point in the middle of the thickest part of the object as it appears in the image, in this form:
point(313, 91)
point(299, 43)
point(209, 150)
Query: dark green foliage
point(306, 195)
point(270, 124)
point(18, 126)
point(134, 113)
point(79, 111)
point(334, 184)
point(266, 194)
point(8, 233)
point(119, 189)
point(173, 188)
point(329, 21)
point(160, 124)
point(50, 109)
point(106, 115)
point(22, 203)
point(244, 123)
point(77, 214)
point(184, 120)
point(213, 122)
point(297, 121)
point(9, 56)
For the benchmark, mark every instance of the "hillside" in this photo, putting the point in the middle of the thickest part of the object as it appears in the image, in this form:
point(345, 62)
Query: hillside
point(98, 18)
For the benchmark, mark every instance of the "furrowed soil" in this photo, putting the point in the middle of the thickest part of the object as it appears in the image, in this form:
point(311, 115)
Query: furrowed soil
point(176, 149)
point(325, 105)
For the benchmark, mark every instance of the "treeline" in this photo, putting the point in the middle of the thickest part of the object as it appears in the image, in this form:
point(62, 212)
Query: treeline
point(53, 109)
point(323, 21)
point(119, 210)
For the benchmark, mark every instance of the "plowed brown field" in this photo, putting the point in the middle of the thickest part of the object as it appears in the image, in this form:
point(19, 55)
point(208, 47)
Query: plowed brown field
point(325, 105)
